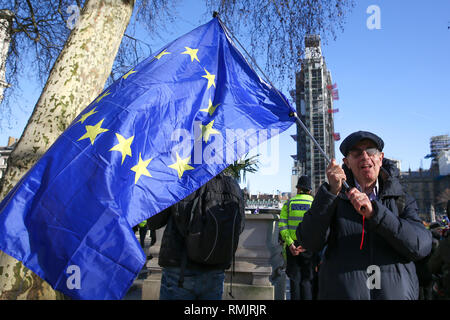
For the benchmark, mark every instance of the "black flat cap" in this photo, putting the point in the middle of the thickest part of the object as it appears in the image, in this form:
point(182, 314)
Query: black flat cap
point(356, 137)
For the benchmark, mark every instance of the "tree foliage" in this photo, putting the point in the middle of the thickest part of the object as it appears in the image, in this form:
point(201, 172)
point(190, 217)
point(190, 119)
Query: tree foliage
point(241, 167)
point(443, 199)
point(41, 28)
point(276, 28)
point(38, 33)
point(152, 15)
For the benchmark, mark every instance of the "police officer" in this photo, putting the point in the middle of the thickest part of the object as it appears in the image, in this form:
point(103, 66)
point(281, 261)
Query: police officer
point(300, 262)
point(143, 228)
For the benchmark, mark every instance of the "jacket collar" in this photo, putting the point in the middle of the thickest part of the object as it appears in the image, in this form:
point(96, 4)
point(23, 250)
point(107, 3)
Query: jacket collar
point(388, 182)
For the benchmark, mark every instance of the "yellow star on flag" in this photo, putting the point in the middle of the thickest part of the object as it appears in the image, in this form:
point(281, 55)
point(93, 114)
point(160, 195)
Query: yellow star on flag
point(141, 169)
point(181, 165)
point(87, 115)
point(102, 96)
point(125, 76)
point(93, 131)
point(208, 130)
point(210, 78)
point(162, 53)
point(192, 53)
point(210, 108)
point(124, 146)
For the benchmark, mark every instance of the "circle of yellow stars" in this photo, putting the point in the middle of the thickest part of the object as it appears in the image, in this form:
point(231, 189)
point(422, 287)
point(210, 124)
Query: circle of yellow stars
point(124, 144)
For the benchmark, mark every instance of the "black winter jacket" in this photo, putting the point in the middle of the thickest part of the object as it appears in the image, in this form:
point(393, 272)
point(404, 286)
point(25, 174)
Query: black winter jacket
point(392, 241)
point(176, 218)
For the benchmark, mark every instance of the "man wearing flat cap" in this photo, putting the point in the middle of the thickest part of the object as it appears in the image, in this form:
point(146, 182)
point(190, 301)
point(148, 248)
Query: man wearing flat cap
point(299, 264)
point(372, 232)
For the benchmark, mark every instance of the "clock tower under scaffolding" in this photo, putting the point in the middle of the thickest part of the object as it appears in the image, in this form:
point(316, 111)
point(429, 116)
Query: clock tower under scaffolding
point(314, 96)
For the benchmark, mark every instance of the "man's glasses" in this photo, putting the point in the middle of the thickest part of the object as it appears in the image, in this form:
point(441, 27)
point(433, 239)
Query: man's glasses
point(358, 152)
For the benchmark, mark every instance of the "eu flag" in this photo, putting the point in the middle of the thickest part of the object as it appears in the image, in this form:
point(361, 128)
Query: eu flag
point(154, 136)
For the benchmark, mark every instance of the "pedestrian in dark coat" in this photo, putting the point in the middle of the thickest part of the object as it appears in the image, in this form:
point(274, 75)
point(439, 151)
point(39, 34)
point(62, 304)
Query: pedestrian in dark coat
point(439, 264)
point(201, 281)
point(372, 232)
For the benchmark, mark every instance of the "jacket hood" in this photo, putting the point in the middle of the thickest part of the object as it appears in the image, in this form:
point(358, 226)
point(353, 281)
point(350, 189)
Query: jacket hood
point(388, 179)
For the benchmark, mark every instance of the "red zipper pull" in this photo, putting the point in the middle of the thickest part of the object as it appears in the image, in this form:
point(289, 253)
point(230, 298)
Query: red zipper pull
point(362, 237)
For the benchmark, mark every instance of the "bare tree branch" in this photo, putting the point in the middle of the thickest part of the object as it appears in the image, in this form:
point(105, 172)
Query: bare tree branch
point(40, 29)
point(275, 29)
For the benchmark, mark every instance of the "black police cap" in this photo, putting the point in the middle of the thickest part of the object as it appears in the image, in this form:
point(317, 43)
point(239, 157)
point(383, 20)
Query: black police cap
point(304, 183)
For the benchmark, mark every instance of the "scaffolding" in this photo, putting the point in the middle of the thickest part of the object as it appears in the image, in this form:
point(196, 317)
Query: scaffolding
point(314, 100)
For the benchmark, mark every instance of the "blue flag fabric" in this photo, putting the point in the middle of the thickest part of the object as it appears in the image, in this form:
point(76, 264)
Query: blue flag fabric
point(157, 134)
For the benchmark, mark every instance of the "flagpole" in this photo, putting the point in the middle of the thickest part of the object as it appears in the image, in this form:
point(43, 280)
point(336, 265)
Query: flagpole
point(292, 113)
point(216, 15)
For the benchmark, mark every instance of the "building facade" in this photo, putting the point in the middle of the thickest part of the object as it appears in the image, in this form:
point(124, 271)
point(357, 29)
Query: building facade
point(444, 163)
point(4, 155)
point(438, 144)
point(420, 185)
point(314, 97)
point(431, 188)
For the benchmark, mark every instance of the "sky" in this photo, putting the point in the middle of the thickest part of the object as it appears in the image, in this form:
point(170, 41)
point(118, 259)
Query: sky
point(393, 81)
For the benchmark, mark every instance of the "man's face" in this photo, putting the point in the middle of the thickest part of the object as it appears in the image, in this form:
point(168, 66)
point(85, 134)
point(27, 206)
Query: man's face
point(363, 162)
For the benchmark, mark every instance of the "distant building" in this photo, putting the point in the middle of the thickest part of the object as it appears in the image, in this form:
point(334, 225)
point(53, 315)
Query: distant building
point(266, 201)
point(4, 155)
point(431, 188)
point(444, 163)
point(438, 144)
point(420, 185)
point(397, 163)
point(314, 95)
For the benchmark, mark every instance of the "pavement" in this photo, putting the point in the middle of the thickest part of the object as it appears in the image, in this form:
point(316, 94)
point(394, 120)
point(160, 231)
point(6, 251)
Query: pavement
point(135, 291)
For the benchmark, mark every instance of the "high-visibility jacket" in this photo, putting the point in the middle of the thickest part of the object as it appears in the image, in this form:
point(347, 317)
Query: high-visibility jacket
point(143, 224)
point(291, 215)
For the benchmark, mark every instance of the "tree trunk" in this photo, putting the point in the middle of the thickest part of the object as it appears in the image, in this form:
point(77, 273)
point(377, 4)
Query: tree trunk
point(77, 77)
point(5, 38)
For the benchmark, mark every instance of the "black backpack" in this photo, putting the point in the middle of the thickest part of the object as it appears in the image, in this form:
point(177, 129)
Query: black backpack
point(215, 223)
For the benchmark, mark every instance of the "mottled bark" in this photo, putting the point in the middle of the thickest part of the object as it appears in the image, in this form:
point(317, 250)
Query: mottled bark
point(77, 77)
point(5, 38)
